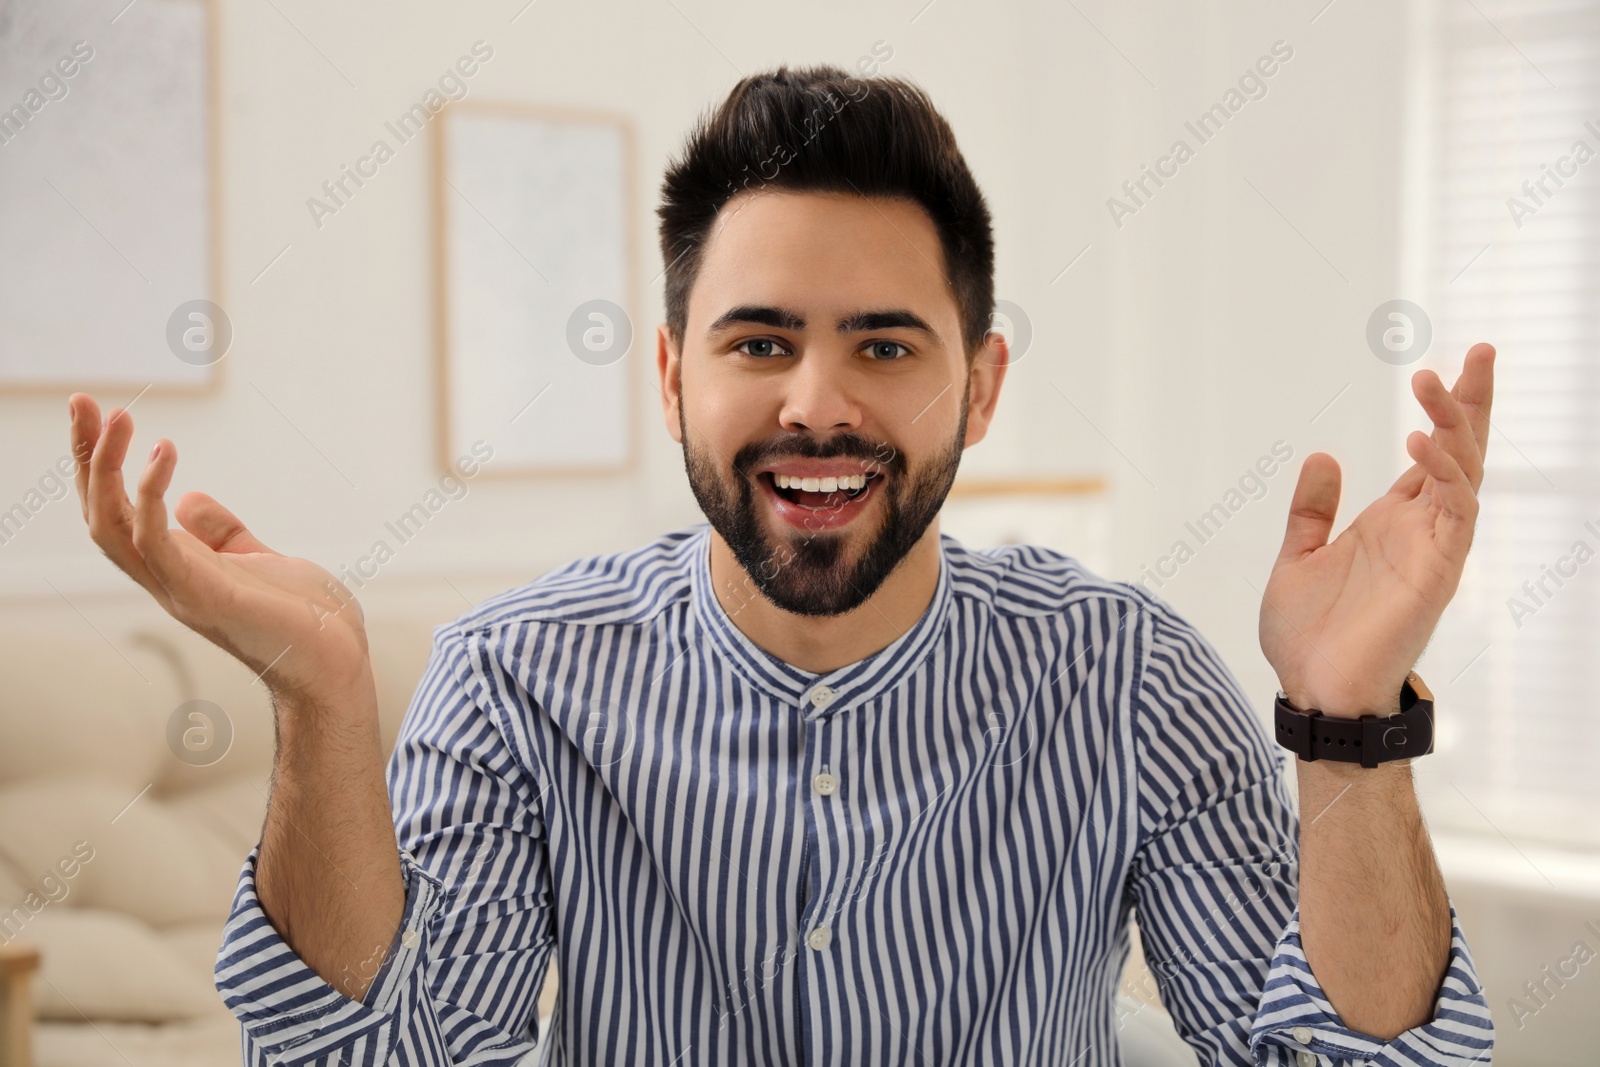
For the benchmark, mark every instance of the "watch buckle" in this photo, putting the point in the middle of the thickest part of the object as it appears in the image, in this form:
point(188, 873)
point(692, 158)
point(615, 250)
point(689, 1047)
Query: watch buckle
point(1304, 726)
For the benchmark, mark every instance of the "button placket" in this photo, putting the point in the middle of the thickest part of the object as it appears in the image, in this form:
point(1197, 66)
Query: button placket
point(825, 817)
point(813, 965)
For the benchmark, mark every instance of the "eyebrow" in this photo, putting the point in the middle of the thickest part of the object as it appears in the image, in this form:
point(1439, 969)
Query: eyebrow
point(785, 319)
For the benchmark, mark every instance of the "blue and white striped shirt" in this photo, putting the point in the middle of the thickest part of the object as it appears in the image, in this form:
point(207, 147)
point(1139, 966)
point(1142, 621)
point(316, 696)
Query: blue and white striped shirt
point(930, 856)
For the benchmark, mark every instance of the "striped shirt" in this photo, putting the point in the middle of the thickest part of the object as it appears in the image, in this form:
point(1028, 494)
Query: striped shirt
point(927, 857)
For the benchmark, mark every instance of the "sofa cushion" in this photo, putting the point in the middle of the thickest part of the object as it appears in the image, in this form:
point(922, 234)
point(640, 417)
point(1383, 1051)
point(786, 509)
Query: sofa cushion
point(210, 1042)
point(233, 810)
point(19, 898)
point(13, 886)
point(102, 965)
point(209, 674)
point(196, 944)
point(152, 863)
point(74, 703)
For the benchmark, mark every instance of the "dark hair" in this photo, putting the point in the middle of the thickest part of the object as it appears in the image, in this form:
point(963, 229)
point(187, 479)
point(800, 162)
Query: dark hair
point(819, 129)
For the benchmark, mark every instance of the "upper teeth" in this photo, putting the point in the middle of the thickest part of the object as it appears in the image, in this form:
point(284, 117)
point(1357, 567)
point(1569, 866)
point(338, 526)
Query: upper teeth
point(820, 485)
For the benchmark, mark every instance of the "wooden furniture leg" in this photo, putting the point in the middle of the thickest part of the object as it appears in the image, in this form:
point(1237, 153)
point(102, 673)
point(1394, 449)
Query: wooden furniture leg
point(17, 964)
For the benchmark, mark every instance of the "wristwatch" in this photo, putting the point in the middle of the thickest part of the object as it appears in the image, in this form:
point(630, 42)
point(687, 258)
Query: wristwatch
point(1369, 740)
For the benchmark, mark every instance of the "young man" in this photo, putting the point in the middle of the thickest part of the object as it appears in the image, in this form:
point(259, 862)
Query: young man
point(814, 783)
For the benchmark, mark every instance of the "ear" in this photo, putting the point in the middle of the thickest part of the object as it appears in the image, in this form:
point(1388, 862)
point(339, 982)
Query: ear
point(667, 371)
point(984, 378)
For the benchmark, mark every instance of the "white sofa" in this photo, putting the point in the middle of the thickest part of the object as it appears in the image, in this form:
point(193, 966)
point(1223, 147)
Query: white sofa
point(118, 859)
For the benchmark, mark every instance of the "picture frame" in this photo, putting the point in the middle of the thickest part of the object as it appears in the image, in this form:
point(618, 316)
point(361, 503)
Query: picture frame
point(536, 279)
point(133, 179)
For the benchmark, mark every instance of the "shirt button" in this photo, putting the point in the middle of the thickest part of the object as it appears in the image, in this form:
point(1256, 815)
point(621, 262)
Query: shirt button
point(825, 784)
point(821, 696)
point(1302, 1034)
point(1305, 1059)
point(409, 939)
point(819, 938)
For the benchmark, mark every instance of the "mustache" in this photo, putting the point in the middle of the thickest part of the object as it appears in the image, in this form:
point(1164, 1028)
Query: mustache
point(849, 445)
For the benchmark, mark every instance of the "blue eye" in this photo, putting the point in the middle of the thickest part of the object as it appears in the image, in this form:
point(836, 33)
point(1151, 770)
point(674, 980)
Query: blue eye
point(877, 346)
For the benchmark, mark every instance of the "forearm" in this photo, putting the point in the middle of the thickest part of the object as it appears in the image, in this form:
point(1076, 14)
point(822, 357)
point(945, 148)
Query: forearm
point(328, 873)
point(1374, 915)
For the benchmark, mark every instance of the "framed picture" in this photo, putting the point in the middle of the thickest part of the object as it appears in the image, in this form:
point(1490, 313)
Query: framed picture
point(110, 270)
point(538, 341)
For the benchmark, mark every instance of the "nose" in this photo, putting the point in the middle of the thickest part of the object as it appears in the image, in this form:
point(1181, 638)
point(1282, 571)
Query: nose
point(818, 396)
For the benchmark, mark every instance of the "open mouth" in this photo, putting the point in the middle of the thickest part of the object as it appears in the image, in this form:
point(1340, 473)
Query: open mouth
point(820, 493)
point(817, 504)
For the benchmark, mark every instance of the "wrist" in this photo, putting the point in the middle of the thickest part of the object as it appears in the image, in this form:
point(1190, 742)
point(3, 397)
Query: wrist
point(1332, 774)
point(338, 708)
point(1353, 706)
point(1334, 795)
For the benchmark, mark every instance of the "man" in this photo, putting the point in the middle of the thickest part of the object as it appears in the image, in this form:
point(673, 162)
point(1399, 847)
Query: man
point(813, 783)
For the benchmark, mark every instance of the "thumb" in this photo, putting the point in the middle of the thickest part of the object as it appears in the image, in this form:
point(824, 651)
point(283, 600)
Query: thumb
point(1315, 503)
point(215, 525)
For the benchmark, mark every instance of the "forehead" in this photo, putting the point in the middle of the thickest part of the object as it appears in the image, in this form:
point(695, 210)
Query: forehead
point(821, 251)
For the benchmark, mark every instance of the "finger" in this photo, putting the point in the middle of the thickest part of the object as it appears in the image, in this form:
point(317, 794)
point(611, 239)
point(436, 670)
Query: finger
point(150, 534)
point(215, 525)
point(1312, 510)
point(83, 430)
point(1474, 389)
point(1451, 429)
point(110, 512)
point(1410, 482)
point(1458, 504)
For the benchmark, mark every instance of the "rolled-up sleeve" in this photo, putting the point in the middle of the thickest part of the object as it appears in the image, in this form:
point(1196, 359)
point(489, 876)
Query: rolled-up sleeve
point(1296, 1017)
point(462, 976)
point(1215, 882)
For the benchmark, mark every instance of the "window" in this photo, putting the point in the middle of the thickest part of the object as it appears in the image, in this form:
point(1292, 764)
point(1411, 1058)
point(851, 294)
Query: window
point(1506, 248)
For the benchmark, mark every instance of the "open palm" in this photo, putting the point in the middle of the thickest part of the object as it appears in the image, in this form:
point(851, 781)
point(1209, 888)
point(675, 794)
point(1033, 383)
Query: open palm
point(1343, 623)
point(287, 619)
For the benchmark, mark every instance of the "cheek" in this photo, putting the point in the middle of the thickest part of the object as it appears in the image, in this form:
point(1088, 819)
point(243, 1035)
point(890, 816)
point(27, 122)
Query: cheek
point(923, 430)
point(727, 413)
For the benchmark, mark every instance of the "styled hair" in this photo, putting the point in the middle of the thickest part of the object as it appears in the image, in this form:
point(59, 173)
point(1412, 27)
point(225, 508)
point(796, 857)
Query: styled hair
point(819, 129)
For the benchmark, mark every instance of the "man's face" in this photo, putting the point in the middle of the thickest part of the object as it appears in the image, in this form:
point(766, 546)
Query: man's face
point(822, 395)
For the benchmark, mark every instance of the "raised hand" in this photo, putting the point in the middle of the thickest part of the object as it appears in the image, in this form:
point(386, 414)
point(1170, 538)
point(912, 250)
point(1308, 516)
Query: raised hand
point(286, 619)
point(1344, 623)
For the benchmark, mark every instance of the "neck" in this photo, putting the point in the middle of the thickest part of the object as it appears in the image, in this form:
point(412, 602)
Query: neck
point(820, 644)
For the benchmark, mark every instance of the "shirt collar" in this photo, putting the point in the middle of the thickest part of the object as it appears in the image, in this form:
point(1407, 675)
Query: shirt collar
point(851, 685)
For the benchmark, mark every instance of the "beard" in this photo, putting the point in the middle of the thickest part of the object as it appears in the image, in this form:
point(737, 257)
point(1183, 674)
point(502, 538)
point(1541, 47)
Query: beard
point(808, 573)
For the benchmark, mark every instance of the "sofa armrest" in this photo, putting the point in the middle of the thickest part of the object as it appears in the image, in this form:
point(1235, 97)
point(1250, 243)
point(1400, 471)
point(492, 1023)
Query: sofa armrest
point(17, 964)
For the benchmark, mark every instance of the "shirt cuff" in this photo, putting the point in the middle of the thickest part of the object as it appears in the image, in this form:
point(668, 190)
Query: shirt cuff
point(1296, 1025)
point(289, 1011)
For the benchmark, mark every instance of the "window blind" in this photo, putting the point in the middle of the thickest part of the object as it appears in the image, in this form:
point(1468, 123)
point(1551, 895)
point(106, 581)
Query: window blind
point(1511, 254)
